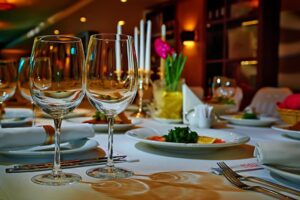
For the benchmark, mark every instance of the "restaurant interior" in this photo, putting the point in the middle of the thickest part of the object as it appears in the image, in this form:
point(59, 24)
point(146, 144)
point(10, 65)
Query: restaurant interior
point(132, 83)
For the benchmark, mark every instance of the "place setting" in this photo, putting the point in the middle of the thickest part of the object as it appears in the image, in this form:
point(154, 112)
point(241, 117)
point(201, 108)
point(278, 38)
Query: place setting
point(100, 124)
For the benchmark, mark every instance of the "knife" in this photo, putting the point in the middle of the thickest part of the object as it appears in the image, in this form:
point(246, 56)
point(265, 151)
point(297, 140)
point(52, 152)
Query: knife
point(66, 164)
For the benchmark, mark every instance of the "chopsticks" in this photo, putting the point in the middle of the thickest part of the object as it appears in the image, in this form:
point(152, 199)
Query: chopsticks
point(65, 164)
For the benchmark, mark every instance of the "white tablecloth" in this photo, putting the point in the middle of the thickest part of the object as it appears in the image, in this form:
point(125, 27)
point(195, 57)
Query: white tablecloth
point(20, 187)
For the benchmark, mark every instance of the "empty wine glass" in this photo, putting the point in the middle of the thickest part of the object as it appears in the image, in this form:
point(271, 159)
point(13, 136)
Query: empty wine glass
point(111, 87)
point(223, 87)
point(228, 88)
point(8, 82)
point(23, 83)
point(57, 87)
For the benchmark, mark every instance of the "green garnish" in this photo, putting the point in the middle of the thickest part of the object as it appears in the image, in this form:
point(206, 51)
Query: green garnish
point(249, 116)
point(181, 135)
point(99, 116)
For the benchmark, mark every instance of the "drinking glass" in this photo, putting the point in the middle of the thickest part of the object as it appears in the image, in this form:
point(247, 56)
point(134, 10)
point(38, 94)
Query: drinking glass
point(111, 85)
point(57, 87)
point(223, 87)
point(23, 83)
point(8, 82)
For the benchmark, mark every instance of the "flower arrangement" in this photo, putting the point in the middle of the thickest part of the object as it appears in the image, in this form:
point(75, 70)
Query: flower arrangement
point(174, 63)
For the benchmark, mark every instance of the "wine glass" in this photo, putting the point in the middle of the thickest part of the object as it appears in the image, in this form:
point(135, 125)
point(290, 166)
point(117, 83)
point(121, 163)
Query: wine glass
point(8, 82)
point(228, 88)
point(110, 87)
point(223, 87)
point(23, 83)
point(57, 87)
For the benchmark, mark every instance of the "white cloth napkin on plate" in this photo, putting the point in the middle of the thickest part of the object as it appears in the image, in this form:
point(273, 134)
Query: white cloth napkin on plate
point(285, 154)
point(29, 136)
point(17, 112)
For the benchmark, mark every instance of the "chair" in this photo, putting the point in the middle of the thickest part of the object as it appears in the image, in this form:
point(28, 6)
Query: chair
point(265, 99)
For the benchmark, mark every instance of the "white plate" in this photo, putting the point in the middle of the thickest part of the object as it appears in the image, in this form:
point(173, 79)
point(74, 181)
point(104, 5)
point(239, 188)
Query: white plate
point(168, 121)
point(262, 121)
point(285, 174)
point(283, 128)
point(231, 139)
point(70, 147)
point(104, 127)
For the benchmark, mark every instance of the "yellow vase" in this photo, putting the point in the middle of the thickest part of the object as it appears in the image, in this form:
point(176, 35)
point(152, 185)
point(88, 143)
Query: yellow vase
point(168, 104)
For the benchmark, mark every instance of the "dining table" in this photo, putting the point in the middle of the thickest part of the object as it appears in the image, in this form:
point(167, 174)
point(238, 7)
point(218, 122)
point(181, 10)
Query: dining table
point(158, 174)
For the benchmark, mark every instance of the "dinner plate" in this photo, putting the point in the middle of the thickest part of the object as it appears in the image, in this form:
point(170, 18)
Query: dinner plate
point(284, 173)
point(70, 147)
point(285, 130)
point(262, 121)
point(104, 127)
point(230, 138)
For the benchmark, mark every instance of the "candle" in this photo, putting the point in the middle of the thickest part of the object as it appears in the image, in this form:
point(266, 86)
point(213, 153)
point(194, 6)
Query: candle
point(118, 49)
point(163, 32)
point(148, 47)
point(119, 29)
point(136, 43)
point(142, 62)
point(162, 61)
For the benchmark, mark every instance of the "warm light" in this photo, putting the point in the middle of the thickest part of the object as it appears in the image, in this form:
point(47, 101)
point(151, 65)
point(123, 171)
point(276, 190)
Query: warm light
point(56, 32)
point(5, 6)
point(249, 62)
point(250, 23)
point(189, 43)
point(123, 1)
point(83, 19)
point(121, 22)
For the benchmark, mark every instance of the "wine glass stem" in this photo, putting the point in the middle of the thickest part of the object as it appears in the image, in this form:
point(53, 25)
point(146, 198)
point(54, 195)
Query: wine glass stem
point(1, 113)
point(56, 164)
point(33, 113)
point(110, 162)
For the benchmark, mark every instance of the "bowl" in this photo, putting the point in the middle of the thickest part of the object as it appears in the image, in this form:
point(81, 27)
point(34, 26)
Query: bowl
point(289, 116)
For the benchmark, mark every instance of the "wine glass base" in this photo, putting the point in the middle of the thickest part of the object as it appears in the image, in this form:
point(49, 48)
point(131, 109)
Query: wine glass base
point(57, 180)
point(109, 173)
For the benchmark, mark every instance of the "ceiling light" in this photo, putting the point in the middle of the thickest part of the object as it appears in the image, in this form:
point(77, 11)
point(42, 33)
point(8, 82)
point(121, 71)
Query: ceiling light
point(83, 19)
point(121, 22)
point(123, 1)
point(56, 32)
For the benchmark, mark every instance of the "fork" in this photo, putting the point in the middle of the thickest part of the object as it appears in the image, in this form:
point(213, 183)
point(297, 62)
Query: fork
point(235, 181)
point(225, 167)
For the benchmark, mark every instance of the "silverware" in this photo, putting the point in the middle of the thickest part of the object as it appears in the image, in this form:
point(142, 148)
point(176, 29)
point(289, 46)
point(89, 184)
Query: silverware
point(235, 181)
point(65, 164)
point(257, 180)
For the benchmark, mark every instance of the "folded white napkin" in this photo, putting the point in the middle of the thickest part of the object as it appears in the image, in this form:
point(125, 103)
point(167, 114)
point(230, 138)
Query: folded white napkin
point(190, 100)
point(17, 112)
point(278, 153)
point(16, 137)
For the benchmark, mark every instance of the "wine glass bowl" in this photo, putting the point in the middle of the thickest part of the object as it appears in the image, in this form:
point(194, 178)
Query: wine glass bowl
point(8, 82)
point(23, 83)
point(57, 87)
point(223, 87)
point(111, 85)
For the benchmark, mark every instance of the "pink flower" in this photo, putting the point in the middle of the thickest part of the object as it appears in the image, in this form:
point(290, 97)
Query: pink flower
point(162, 48)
